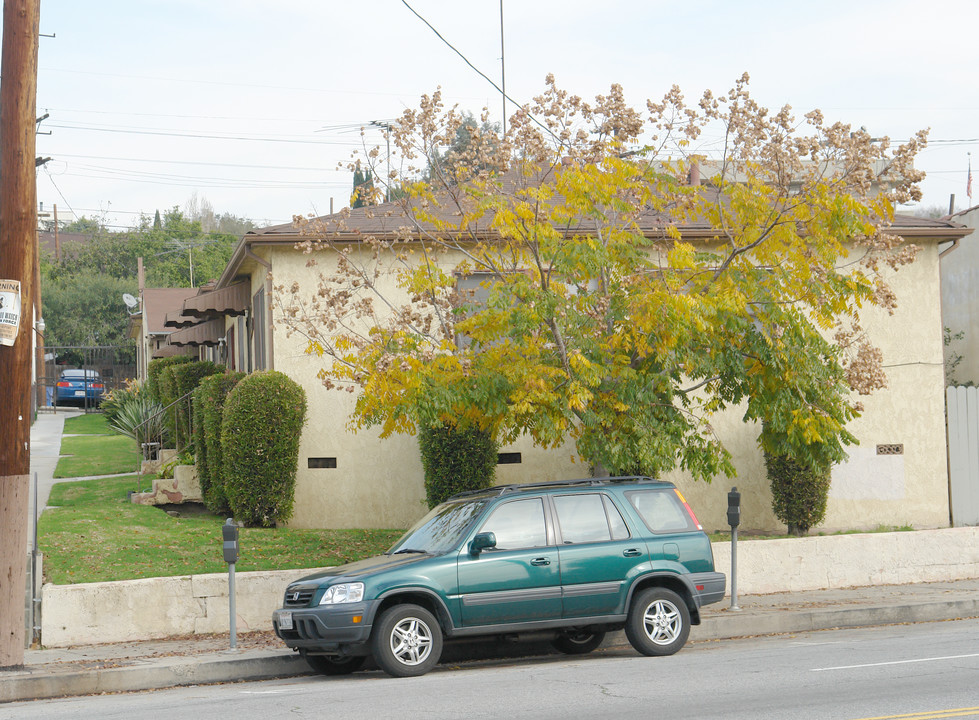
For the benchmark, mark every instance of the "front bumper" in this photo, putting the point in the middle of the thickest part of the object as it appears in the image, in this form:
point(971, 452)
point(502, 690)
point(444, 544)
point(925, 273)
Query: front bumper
point(325, 628)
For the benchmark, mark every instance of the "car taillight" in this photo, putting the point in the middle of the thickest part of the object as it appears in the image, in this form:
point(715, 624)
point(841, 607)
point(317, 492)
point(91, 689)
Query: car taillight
point(96, 385)
point(64, 384)
point(688, 509)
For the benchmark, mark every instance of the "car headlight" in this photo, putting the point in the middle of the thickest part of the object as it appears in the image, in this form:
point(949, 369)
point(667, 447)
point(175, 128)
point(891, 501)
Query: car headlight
point(343, 593)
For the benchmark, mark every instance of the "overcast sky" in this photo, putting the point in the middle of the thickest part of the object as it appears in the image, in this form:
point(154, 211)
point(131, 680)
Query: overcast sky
point(253, 103)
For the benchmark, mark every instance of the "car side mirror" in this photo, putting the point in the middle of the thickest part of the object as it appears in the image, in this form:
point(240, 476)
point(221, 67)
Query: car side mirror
point(482, 541)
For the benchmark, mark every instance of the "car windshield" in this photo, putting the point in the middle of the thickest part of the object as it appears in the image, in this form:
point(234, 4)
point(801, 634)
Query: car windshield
point(79, 374)
point(440, 530)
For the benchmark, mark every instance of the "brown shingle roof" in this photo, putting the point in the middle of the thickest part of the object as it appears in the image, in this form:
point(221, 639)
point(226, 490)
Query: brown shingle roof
point(158, 302)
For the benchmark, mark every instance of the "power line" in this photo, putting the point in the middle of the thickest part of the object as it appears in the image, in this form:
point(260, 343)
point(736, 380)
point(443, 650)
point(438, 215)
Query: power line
point(201, 136)
point(321, 90)
point(190, 162)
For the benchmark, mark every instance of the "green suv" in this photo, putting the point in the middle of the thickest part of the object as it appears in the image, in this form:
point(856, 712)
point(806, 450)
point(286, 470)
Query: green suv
point(576, 559)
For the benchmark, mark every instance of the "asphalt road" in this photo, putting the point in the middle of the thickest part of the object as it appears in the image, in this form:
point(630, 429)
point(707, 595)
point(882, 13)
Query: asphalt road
point(912, 672)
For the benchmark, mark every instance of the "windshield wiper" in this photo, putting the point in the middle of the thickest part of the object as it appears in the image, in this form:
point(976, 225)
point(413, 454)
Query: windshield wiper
point(410, 550)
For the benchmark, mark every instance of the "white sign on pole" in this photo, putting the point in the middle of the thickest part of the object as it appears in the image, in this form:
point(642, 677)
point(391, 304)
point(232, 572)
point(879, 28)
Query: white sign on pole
point(9, 311)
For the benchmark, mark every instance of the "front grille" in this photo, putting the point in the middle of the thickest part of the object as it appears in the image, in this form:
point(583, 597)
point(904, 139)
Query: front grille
point(299, 597)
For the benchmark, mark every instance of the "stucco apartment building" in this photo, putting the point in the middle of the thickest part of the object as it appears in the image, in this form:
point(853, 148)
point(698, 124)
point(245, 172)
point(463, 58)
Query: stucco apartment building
point(896, 476)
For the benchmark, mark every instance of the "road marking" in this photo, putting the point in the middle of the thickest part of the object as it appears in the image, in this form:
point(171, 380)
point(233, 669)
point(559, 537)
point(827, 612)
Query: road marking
point(814, 644)
point(930, 715)
point(264, 692)
point(896, 662)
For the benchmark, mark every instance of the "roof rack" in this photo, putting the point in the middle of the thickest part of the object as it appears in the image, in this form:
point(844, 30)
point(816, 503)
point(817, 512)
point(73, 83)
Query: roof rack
point(498, 490)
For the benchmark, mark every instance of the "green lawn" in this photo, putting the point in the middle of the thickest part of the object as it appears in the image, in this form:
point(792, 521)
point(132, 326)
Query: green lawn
point(95, 534)
point(97, 455)
point(88, 424)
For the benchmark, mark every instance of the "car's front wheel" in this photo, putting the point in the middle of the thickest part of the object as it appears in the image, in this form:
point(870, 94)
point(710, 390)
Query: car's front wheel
point(658, 622)
point(578, 641)
point(333, 665)
point(407, 641)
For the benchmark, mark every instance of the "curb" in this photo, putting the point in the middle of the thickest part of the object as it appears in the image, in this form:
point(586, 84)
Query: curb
point(729, 624)
point(41, 682)
point(36, 682)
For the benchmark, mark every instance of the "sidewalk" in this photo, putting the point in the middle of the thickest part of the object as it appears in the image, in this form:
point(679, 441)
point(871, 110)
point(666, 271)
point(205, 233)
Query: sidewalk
point(202, 660)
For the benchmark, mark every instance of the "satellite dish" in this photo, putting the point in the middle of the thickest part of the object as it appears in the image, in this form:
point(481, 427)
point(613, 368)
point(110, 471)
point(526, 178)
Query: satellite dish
point(130, 301)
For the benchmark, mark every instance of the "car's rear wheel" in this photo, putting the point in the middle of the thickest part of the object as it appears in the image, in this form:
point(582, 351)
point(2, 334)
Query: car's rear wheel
point(407, 641)
point(658, 622)
point(578, 641)
point(326, 665)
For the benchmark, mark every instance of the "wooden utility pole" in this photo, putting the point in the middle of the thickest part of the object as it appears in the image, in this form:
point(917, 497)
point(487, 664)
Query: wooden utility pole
point(18, 247)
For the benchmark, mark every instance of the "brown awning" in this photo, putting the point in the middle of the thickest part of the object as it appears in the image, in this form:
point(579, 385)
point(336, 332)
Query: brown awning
point(177, 319)
point(206, 333)
point(230, 300)
point(169, 351)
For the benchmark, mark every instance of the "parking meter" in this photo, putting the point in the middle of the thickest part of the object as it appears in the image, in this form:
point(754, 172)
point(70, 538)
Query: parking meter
point(734, 508)
point(229, 532)
point(734, 519)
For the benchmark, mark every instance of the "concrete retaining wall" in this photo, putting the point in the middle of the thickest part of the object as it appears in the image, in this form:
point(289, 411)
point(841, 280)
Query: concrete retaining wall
point(166, 607)
point(159, 607)
point(839, 561)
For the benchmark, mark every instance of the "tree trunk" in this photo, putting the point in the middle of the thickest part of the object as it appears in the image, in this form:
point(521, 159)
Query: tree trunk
point(18, 246)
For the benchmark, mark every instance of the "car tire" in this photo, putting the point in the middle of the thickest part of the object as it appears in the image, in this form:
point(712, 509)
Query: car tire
point(326, 665)
point(578, 641)
point(658, 622)
point(407, 641)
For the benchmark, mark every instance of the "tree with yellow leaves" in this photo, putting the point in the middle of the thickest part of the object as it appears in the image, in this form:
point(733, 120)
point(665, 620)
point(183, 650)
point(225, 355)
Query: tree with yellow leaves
point(590, 276)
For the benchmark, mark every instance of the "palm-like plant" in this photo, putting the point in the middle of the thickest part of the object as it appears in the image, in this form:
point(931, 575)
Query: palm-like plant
point(141, 419)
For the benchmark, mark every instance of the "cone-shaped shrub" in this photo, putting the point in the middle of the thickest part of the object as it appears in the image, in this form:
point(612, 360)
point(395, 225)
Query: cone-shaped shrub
point(456, 460)
point(262, 422)
point(209, 400)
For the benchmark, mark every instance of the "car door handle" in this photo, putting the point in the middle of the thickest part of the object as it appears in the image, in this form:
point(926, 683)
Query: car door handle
point(540, 561)
point(632, 552)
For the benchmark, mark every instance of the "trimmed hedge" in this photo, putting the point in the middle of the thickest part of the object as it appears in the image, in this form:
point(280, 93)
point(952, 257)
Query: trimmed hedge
point(209, 398)
point(456, 461)
point(182, 379)
point(262, 423)
point(799, 493)
point(155, 368)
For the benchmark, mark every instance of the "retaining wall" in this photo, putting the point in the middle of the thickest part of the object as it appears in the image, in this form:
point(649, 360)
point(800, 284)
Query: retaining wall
point(198, 604)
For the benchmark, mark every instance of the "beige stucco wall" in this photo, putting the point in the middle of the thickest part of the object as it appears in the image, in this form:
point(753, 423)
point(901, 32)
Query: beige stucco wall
point(869, 490)
point(379, 483)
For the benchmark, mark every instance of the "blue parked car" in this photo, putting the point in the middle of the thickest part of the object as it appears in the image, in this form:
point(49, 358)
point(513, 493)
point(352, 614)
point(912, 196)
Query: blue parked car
point(79, 387)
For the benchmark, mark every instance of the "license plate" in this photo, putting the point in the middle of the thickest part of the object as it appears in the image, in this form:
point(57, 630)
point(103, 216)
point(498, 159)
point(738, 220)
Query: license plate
point(79, 393)
point(285, 620)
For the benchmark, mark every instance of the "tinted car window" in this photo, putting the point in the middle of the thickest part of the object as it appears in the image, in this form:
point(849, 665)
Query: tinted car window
point(661, 510)
point(518, 524)
point(440, 530)
point(582, 518)
point(620, 530)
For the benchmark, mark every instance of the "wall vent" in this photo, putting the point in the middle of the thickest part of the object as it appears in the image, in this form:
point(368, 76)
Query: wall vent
point(890, 449)
point(315, 463)
point(510, 458)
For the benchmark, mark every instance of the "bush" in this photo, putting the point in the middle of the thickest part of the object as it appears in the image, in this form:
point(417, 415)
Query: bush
point(153, 371)
point(456, 461)
point(113, 400)
point(262, 422)
point(182, 379)
point(140, 418)
point(799, 493)
point(209, 401)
